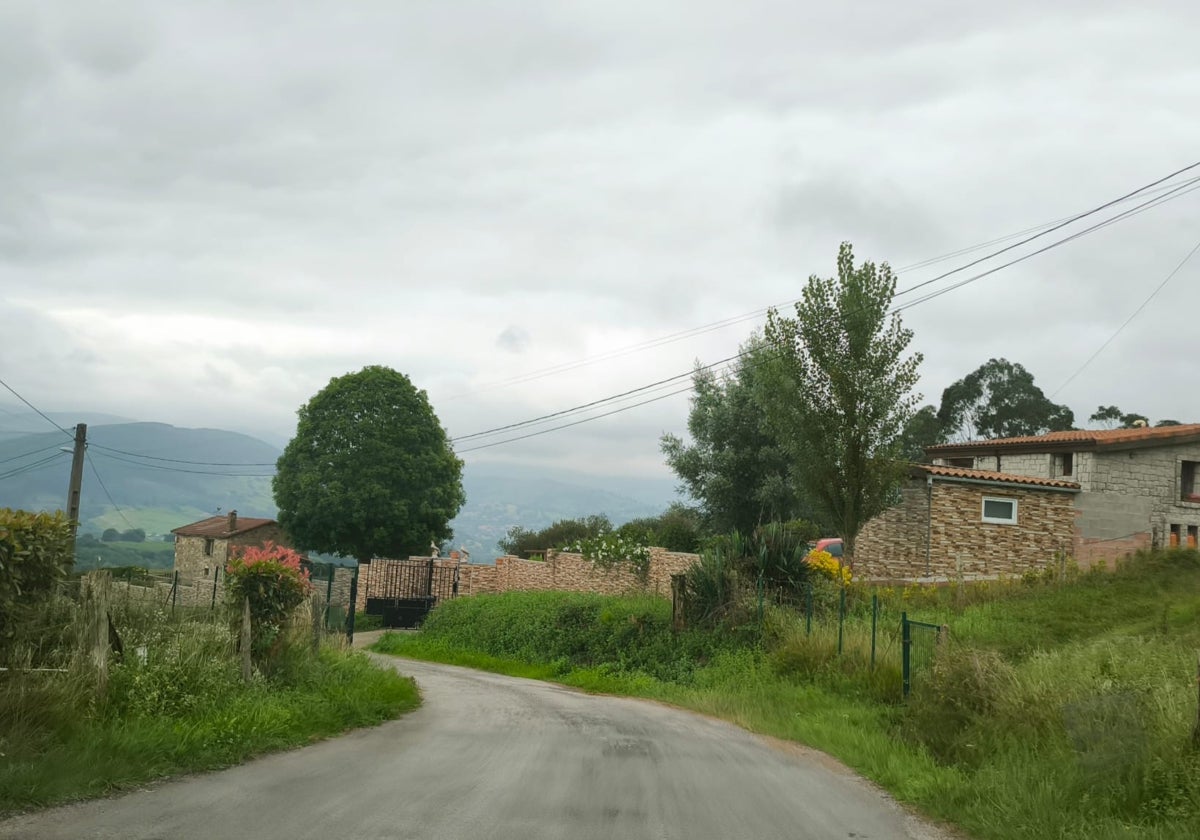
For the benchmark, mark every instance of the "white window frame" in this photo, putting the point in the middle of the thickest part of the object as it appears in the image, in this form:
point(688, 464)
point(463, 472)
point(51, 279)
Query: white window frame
point(994, 520)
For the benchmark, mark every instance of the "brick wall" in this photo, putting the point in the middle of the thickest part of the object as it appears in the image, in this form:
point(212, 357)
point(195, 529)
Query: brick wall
point(948, 524)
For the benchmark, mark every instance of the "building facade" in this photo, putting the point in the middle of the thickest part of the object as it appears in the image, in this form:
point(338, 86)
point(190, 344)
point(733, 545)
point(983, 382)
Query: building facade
point(205, 546)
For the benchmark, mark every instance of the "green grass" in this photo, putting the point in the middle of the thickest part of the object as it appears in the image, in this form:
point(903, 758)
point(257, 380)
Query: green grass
point(183, 709)
point(1056, 709)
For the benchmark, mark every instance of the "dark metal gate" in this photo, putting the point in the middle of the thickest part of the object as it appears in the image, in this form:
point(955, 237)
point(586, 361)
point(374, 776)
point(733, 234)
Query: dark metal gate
point(404, 591)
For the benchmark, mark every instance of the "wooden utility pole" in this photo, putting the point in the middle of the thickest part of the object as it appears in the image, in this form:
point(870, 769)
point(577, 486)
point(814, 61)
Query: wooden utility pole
point(73, 491)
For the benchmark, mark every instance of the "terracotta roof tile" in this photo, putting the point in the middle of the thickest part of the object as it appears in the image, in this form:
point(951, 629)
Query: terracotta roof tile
point(998, 477)
point(1091, 438)
point(218, 527)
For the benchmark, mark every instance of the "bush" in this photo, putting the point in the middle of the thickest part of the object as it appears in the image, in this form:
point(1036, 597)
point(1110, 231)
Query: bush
point(275, 582)
point(34, 556)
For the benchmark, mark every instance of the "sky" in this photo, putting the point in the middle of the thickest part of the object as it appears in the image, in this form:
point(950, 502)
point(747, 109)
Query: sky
point(207, 210)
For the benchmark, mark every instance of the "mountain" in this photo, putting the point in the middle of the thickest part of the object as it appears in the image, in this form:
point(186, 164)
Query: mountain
point(16, 421)
point(159, 476)
point(145, 468)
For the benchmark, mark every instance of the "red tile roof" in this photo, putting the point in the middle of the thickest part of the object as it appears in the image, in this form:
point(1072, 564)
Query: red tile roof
point(997, 477)
point(218, 527)
point(1081, 439)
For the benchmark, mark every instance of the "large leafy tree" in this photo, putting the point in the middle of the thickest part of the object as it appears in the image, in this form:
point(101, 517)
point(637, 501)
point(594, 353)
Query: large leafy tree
point(999, 400)
point(734, 466)
point(837, 389)
point(370, 472)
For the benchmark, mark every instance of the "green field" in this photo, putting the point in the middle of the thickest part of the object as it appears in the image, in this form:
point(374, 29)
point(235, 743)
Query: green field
point(1060, 707)
point(109, 555)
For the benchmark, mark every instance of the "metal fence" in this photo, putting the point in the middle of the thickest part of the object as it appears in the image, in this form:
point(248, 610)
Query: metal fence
point(918, 645)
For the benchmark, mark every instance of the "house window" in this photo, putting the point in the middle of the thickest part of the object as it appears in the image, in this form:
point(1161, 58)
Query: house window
point(1193, 536)
point(999, 511)
point(208, 547)
point(1187, 482)
point(1174, 541)
point(1067, 463)
point(962, 463)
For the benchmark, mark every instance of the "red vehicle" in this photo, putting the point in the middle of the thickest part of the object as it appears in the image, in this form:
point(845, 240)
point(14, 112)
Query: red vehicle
point(831, 544)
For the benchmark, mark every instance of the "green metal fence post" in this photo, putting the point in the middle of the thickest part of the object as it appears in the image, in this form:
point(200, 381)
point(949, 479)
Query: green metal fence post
point(905, 648)
point(350, 611)
point(174, 590)
point(216, 574)
point(874, 625)
point(841, 618)
point(760, 598)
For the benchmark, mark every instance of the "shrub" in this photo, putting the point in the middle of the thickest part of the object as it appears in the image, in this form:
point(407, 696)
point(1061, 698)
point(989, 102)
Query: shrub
point(274, 581)
point(34, 556)
point(609, 549)
point(824, 563)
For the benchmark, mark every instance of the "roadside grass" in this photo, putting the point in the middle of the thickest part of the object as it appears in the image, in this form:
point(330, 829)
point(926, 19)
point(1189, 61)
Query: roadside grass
point(182, 708)
point(1058, 708)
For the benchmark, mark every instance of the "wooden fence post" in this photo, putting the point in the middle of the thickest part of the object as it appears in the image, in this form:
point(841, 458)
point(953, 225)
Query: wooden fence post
point(247, 666)
point(98, 591)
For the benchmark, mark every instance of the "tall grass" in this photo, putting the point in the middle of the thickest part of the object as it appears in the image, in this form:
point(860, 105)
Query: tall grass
point(174, 700)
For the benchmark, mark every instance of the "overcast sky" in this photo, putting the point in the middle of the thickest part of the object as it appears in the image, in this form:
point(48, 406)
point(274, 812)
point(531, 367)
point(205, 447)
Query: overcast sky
point(207, 209)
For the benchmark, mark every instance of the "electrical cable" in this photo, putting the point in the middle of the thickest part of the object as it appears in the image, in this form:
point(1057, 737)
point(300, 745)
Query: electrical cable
point(1127, 321)
point(36, 409)
point(33, 467)
point(181, 461)
point(146, 466)
point(27, 454)
point(100, 481)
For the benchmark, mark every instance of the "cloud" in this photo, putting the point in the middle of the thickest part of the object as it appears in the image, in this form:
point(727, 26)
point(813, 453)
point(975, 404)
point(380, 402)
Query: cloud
point(211, 209)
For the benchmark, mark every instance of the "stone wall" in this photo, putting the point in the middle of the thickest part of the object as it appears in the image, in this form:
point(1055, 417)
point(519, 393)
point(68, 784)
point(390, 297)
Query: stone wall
point(947, 523)
point(560, 571)
point(191, 560)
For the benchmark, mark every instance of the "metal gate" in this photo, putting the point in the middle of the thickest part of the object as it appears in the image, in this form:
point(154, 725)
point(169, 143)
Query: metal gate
point(404, 591)
point(918, 643)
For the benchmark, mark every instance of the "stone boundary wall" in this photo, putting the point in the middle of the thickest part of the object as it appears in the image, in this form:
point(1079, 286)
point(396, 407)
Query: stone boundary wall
point(560, 571)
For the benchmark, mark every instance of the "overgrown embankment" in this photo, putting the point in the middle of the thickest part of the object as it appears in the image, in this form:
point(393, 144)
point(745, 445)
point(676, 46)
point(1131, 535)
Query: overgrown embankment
point(1060, 707)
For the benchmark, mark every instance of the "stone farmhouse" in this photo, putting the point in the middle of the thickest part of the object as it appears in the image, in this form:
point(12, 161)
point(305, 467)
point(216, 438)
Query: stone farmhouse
point(203, 547)
point(1006, 506)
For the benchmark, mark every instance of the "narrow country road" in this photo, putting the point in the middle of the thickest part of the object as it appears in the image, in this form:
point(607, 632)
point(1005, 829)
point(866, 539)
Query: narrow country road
point(499, 758)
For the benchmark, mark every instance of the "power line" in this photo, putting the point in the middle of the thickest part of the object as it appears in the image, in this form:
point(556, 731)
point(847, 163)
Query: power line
point(1038, 230)
point(1174, 192)
point(1134, 314)
point(146, 466)
point(33, 467)
point(103, 487)
point(36, 409)
point(27, 454)
point(575, 423)
point(181, 461)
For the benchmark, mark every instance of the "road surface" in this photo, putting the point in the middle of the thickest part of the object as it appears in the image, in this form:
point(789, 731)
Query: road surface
point(498, 758)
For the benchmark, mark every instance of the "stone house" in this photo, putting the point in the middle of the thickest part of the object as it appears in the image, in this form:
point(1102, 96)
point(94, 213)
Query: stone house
point(203, 547)
point(1137, 488)
point(953, 521)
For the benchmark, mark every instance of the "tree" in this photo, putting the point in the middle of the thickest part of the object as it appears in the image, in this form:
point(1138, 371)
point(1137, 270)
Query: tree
point(735, 466)
point(922, 430)
point(520, 541)
point(133, 535)
point(838, 392)
point(999, 400)
point(1113, 418)
point(110, 535)
point(370, 472)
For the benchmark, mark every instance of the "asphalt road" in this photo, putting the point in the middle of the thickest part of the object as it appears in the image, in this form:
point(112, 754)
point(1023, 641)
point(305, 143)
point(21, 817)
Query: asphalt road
point(489, 757)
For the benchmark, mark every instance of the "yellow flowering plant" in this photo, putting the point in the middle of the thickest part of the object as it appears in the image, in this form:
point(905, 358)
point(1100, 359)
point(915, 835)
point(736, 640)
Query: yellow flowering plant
point(824, 563)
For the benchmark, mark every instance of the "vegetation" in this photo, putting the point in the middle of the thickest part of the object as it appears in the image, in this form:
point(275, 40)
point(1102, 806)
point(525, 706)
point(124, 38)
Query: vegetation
point(735, 466)
point(521, 541)
point(272, 580)
point(837, 390)
point(93, 554)
point(33, 558)
point(370, 472)
point(999, 400)
point(1061, 705)
point(174, 703)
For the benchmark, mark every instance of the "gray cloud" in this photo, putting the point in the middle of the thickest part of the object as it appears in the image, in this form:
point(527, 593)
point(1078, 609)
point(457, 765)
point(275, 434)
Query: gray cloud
point(219, 206)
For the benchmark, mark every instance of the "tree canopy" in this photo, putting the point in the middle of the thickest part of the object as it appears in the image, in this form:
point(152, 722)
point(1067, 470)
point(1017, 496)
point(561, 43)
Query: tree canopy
point(837, 390)
point(370, 472)
point(999, 400)
point(734, 466)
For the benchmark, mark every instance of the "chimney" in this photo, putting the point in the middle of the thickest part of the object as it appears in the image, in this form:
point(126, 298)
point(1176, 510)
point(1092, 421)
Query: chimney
point(232, 521)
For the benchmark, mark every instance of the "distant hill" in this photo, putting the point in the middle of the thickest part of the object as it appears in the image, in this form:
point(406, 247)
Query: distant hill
point(158, 495)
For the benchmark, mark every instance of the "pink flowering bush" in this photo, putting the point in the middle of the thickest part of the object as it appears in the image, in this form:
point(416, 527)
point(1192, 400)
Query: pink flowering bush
point(275, 582)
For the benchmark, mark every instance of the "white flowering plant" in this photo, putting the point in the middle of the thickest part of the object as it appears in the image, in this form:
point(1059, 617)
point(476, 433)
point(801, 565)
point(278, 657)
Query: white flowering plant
point(609, 549)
